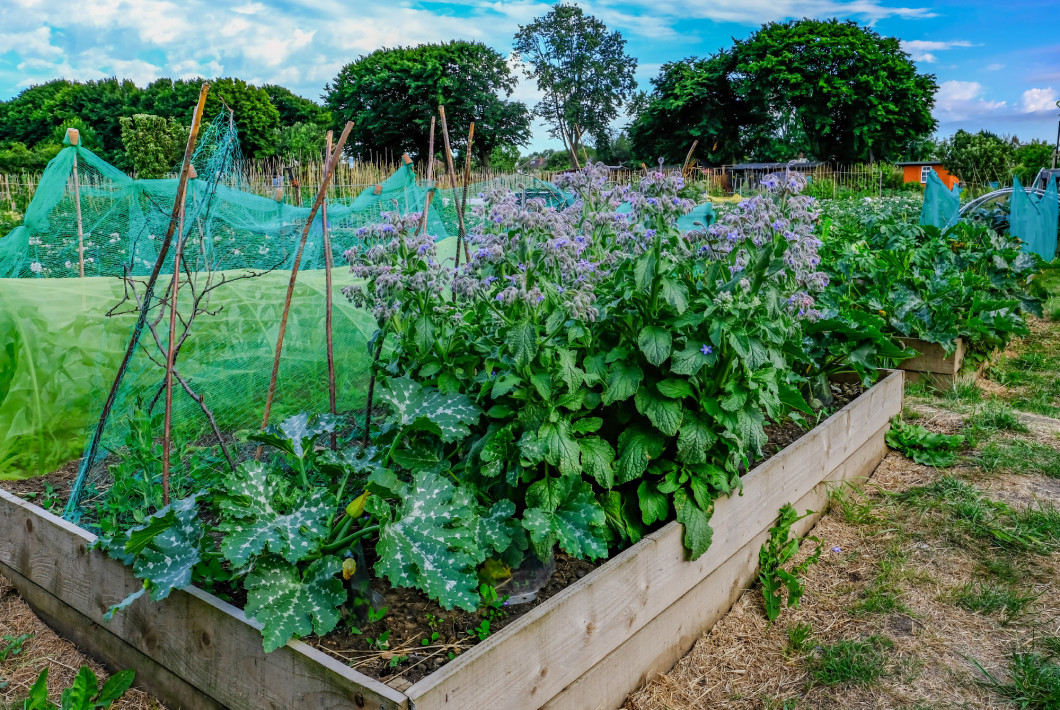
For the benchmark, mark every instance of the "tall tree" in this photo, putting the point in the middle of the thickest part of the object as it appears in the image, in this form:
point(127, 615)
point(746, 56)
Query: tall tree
point(582, 69)
point(153, 144)
point(295, 109)
point(693, 100)
point(832, 90)
point(852, 93)
point(977, 157)
point(391, 94)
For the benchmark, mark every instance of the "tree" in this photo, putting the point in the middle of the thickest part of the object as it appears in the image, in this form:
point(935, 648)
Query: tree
point(295, 109)
point(391, 95)
point(832, 90)
point(581, 68)
point(853, 94)
point(153, 144)
point(1031, 157)
point(976, 157)
point(504, 158)
point(301, 141)
point(693, 100)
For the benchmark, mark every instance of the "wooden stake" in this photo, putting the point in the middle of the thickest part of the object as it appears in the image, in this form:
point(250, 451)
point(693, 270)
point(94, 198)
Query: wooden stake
point(688, 158)
point(74, 136)
point(328, 307)
point(177, 218)
point(430, 180)
point(462, 207)
point(448, 152)
point(333, 160)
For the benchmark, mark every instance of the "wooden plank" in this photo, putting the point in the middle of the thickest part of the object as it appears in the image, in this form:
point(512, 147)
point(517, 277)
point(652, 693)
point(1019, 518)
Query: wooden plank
point(933, 357)
point(205, 641)
point(109, 649)
point(530, 661)
point(669, 636)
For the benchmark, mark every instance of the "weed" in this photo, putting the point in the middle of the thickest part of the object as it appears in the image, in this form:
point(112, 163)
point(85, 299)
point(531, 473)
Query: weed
point(482, 631)
point(880, 597)
point(854, 508)
point(12, 645)
point(1022, 457)
point(962, 391)
point(925, 447)
point(1003, 570)
point(777, 552)
point(851, 662)
point(1034, 682)
point(996, 416)
point(1051, 645)
point(990, 599)
point(800, 638)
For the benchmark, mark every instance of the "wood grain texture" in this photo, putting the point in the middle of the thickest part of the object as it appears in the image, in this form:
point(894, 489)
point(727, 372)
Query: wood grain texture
point(933, 358)
point(669, 636)
point(107, 648)
point(532, 660)
point(208, 643)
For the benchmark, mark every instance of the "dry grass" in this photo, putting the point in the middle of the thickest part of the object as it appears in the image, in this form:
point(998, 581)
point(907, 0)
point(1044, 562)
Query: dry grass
point(46, 649)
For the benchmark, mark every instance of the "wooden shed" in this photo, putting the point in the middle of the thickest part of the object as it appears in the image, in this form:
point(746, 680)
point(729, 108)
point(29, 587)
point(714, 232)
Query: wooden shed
point(918, 172)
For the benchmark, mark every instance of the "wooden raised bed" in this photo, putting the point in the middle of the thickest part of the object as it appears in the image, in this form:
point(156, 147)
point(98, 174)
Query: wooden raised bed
point(586, 647)
point(932, 363)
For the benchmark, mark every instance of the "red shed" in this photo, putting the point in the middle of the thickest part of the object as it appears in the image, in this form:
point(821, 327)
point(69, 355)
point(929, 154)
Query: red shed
point(918, 172)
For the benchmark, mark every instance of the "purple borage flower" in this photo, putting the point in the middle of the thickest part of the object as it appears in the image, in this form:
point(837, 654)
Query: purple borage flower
point(706, 350)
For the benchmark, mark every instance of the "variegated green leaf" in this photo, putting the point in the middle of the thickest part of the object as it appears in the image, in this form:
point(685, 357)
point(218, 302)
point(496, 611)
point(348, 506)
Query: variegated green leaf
point(447, 415)
point(597, 459)
point(251, 522)
point(288, 604)
point(425, 542)
point(296, 434)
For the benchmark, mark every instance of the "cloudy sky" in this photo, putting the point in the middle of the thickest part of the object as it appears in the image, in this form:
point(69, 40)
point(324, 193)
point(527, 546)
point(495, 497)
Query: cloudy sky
point(998, 64)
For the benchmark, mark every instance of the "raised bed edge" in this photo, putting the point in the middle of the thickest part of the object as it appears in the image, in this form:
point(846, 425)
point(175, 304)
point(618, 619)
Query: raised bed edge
point(531, 661)
point(535, 661)
point(206, 644)
point(932, 359)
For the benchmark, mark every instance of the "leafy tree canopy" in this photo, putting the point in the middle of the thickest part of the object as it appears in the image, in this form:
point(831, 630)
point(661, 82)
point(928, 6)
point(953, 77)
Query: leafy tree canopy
point(153, 144)
point(295, 109)
point(582, 69)
point(976, 157)
point(833, 90)
point(390, 96)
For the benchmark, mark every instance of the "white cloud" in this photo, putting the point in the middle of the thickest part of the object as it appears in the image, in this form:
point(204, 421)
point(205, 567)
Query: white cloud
point(994, 67)
point(962, 100)
point(922, 50)
point(1038, 100)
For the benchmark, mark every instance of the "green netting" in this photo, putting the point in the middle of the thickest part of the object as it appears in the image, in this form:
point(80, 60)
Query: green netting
point(1033, 218)
point(941, 205)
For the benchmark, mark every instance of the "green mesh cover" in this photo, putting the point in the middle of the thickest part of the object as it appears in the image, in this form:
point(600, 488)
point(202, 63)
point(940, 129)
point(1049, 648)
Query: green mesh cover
point(941, 205)
point(1033, 218)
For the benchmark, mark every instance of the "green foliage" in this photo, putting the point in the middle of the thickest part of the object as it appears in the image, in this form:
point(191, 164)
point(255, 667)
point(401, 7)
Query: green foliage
point(835, 90)
point(992, 598)
point(84, 694)
point(1023, 457)
point(1034, 681)
point(504, 158)
point(778, 551)
point(851, 662)
point(391, 95)
point(976, 157)
point(12, 645)
point(153, 145)
point(581, 68)
point(925, 447)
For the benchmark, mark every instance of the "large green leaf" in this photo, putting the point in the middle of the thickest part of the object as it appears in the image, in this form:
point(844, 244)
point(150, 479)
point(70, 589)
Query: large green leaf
point(688, 361)
point(597, 459)
point(655, 342)
point(522, 341)
point(695, 439)
point(296, 434)
point(251, 522)
point(561, 448)
point(288, 604)
point(623, 380)
point(636, 447)
point(577, 524)
point(425, 541)
point(664, 413)
point(698, 533)
point(447, 415)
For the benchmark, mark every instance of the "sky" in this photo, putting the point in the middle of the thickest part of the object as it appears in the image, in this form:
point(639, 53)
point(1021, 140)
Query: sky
point(997, 64)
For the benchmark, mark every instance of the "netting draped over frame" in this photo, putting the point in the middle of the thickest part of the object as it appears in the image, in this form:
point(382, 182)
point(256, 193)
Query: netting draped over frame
point(941, 204)
point(1033, 218)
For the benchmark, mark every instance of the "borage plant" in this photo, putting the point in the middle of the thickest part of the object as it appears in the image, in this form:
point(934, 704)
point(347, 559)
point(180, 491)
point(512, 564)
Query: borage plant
point(626, 368)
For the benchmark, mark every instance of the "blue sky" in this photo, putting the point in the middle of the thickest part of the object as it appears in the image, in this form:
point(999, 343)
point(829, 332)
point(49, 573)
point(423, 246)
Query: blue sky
point(998, 64)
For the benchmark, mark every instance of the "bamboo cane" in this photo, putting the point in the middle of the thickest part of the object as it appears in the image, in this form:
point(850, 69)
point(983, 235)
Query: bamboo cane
point(328, 306)
point(461, 239)
point(448, 151)
point(430, 180)
point(688, 158)
point(74, 136)
point(178, 217)
point(333, 160)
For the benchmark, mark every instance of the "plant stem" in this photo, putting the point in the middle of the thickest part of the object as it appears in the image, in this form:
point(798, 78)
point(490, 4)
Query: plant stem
point(350, 539)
